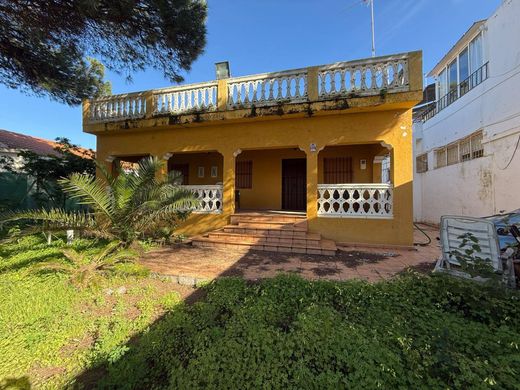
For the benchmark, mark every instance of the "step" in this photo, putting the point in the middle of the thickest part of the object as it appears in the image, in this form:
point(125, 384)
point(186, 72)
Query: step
point(302, 226)
point(294, 242)
point(276, 218)
point(327, 247)
point(273, 232)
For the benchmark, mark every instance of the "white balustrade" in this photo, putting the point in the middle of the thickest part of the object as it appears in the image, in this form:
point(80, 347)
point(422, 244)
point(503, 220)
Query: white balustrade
point(367, 77)
point(268, 88)
point(367, 200)
point(117, 107)
point(194, 97)
point(364, 77)
point(209, 196)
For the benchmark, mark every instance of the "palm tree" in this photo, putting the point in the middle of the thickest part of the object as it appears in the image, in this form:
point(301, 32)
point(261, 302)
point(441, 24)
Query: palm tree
point(122, 207)
point(85, 270)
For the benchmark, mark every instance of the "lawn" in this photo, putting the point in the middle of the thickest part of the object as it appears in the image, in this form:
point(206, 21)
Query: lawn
point(52, 331)
point(414, 331)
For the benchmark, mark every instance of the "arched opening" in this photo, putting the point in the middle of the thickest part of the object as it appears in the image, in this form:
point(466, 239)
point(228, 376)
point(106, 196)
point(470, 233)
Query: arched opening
point(201, 173)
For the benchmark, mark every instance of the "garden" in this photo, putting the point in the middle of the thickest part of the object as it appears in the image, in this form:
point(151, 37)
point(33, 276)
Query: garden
point(85, 314)
point(129, 330)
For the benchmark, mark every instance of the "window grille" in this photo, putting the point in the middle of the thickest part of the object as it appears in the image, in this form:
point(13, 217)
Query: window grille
point(421, 163)
point(477, 150)
point(440, 158)
point(337, 170)
point(243, 174)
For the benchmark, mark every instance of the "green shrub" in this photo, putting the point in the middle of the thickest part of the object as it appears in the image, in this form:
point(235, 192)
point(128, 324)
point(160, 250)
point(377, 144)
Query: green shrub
point(410, 332)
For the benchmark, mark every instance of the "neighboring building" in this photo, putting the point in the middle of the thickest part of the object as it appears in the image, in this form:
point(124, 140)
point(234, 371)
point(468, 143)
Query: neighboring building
point(333, 142)
point(16, 189)
point(466, 141)
point(11, 144)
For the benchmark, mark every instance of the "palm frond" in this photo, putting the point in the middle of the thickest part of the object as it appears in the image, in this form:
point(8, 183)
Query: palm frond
point(89, 192)
point(53, 218)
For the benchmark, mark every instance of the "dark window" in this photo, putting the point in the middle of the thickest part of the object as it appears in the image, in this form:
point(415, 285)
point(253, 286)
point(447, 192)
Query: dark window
point(244, 174)
point(337, 170)
point(183, 170)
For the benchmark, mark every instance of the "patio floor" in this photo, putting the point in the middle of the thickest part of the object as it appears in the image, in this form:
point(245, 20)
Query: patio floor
point(188, 264)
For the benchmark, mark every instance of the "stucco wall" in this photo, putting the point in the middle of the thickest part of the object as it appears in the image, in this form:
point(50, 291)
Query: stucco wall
point(266, 191)
point(196, 160)
point(482, 186)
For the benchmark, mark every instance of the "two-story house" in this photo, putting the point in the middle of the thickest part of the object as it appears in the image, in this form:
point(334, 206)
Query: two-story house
point(287, 161)
point(466, 140)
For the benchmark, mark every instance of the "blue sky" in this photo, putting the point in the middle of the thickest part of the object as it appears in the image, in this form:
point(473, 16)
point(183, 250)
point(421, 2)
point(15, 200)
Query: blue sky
point(259, 36)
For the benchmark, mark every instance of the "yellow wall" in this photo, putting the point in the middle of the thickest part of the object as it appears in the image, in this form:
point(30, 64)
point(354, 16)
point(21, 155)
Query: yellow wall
point(357, 153)
point(392, 127)
point(195, 160)
point(266, 191)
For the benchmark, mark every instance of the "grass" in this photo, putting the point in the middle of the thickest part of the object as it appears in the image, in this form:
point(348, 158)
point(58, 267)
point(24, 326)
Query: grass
point(52, 331)
point(413, 331)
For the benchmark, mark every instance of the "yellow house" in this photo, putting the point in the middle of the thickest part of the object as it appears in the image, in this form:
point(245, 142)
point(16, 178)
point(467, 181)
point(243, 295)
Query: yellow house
point(324, 149)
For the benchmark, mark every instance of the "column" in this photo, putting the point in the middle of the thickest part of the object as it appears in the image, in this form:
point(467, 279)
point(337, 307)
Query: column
point(312, 181)
point(228, 178)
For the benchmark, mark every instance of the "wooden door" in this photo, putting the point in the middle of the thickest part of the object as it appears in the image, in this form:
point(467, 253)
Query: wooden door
point(294, 184)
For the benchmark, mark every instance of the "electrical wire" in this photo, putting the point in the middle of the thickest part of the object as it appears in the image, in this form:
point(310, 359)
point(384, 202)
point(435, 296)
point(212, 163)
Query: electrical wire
point(513, 156)
point(423, 232)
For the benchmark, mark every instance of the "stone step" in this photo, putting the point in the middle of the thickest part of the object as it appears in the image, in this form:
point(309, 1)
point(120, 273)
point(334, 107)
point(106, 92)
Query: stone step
point(301, 226)
point(326, 247)
point(297, 242)
point(267, 218)
point(274, 231)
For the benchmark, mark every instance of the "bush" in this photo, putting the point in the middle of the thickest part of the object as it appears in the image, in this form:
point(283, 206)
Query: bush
point(410, 332)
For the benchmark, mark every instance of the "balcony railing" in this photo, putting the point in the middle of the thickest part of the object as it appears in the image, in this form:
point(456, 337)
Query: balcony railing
point(209, 197)
point(357, 200)
point(476, 78)
point(366, 77)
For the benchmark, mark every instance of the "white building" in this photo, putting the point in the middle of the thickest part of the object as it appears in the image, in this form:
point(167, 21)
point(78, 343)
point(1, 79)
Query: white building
point(467, 142)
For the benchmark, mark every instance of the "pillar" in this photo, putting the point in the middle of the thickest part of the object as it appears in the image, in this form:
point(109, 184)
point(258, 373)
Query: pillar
point(312, 180)
point(228, 179)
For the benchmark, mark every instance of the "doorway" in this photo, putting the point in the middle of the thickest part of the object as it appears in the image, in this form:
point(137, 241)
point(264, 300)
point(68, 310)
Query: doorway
point(294, 184)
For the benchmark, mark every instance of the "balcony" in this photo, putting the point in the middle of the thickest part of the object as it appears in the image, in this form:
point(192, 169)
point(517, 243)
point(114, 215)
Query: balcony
point(476, 78)
point(334, 86)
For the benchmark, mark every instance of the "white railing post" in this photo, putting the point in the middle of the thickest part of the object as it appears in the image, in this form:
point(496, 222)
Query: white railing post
point(356, 200)
point(268, 88)
point(364, 77)
point(185, 98)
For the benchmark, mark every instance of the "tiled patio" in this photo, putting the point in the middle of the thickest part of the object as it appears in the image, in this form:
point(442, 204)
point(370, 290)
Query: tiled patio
point(187, 263)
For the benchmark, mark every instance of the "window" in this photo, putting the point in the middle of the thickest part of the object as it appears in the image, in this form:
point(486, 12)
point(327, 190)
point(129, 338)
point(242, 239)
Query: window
point(243, 174)
point(421, 163)
point(476, 58)
point(477, 150)
point(452, 152)
point(465, 149)
point(443, 82)
point(214, 171)
point(200, 172)
point(463, 71)
point(386, 170)
point(337, 170)
point(452, 81)
point(440, 158)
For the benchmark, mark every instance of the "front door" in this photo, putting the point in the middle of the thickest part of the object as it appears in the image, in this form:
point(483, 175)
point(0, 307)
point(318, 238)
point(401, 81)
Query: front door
point(294, 184)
